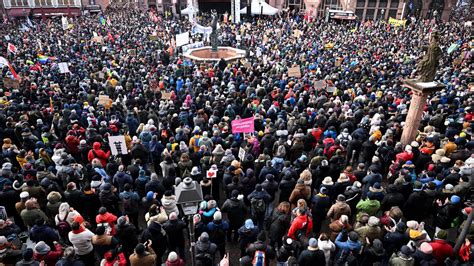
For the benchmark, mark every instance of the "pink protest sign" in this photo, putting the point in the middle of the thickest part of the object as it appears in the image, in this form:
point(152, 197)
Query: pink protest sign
point(243, 125)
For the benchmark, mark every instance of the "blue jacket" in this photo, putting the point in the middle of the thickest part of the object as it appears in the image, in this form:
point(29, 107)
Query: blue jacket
point(347, 245)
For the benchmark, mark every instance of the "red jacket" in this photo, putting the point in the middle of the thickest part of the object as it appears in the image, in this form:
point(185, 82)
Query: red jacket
point(298, 224)
point(51, 257)
point(441, 250)
point(178, 262)
point(96, 152)
point(107, 218)
point(72, 143)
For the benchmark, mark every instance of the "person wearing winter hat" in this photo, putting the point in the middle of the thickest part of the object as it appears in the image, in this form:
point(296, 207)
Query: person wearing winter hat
point(424, 255)
point(218, 230)
point(313, 255)
point(351, 242)
point(370, 231)
point(42, 252)
point(402, 258)
point(236, 212)
point(340, 207)
point(174, 227)
point(143, 255)
point(247, 235)
point(320, 204)
point(27, 259)
point(442, 249)
point(205, 250)
point(174, 260)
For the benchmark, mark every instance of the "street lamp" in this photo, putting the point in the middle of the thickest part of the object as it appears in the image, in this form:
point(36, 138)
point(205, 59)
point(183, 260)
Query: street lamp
point(188, 195)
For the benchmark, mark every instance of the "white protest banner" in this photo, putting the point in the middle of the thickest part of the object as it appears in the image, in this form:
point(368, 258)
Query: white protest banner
point(182, 39)
point(192, 46)
point(63, 68)
point(64, 23)
point(294, 72)
point(211, 173)
point(241, 154)
point(117, 145)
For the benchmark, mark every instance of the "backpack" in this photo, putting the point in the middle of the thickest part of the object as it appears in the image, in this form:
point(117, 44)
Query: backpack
point(63, 227)
point(328, 145)
point(301, 234)
point(218, 235)
point(347, 258)
point(344, 141)
point(129, 205)
point(281, 151)
point(258, 205)
point(258, 258)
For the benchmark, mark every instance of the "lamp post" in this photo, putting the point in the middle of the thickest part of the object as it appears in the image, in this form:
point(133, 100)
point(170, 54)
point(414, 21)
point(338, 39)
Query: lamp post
point(188, 195)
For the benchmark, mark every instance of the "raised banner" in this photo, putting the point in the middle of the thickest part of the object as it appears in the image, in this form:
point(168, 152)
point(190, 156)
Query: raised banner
point(117, 145)
point(245, 125)
point(397, 22)
point(182, 39)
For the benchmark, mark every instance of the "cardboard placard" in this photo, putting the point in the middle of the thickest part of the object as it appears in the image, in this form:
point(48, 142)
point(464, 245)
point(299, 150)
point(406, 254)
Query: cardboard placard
point(11, 83)
point(153, 37)
point(211, 173)
point(338, 62)
point(103, 100)
point(117, 145)
point(63, 68)
point(166, 95)
point(320, 84)
point(294, 72)
point(97, 39)
point(241, 154)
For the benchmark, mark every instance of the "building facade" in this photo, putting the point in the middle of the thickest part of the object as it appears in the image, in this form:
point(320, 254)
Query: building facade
point(376, 9)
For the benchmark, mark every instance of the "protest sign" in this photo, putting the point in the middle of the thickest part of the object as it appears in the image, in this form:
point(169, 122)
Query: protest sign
point(166, 95)
point(64, 23)
point(192, 46)
point(338, 62)
point(320, 84)
point(153, 37)
point(63, 68)
point(241, 154)
point(397, 22)
point(97, 39)
point(117, 145)
point(103, 100)
point(245, 125)
point(11, 83)
point(211, 173)
point(294, 72)
point(182, 39)
point(453, 48)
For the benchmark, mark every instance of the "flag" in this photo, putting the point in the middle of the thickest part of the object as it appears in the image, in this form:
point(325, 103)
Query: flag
point(51, 105)
point(43, 59)
point(11, 48)
point(102, 20)
point(4, 62)
point(111, 38)
point(29, 22)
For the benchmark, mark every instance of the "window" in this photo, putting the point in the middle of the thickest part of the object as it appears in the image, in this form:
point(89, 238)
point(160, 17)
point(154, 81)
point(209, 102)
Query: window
point(394, 4)
point(392, 13)
point(370, 14)
point(372, 3)
point(360, 3)
point(383, 3)
point(359, 13)
point(7, 3)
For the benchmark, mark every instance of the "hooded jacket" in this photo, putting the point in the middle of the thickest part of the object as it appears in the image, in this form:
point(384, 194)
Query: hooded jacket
point(96, 152)
point(169, 203)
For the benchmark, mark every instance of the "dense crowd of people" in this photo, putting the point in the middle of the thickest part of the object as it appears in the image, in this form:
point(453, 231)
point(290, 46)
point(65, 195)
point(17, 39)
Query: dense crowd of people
point(324, 179)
